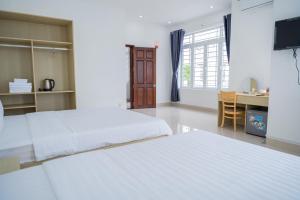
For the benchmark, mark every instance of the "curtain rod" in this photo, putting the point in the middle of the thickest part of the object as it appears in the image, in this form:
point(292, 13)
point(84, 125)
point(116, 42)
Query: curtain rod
point(35, 47)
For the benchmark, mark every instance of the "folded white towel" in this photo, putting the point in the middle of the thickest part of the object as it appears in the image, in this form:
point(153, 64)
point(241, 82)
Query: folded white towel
point(20, 87)
point(20, 80)
point(17, 84)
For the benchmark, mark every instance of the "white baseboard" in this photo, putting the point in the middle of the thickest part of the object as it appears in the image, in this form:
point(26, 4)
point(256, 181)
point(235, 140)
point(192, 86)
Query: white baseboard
point(164, 104)
point(283, 140)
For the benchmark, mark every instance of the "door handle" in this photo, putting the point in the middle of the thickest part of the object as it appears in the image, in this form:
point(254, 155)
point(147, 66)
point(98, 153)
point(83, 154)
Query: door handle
point(154, 85)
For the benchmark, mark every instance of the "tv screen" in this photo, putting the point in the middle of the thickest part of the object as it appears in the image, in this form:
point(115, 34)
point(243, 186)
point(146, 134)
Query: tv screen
point(287, 34)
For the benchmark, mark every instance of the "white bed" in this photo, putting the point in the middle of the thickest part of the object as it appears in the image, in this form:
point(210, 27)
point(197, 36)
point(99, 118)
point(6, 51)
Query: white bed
point(27, 184)
point(43, 135)
point(15, 140)
point(196, 165)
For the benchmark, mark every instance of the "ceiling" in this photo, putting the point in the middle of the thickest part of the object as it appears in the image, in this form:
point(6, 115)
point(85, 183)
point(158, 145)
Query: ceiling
point(174, 11)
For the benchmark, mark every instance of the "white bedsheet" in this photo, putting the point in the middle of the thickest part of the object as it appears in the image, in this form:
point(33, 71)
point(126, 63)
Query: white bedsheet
point(67, 132)
point(106, 126)
point(188, 166)
point(15, 132)
point(28, 184)
point(50, 136)
point(15, 139)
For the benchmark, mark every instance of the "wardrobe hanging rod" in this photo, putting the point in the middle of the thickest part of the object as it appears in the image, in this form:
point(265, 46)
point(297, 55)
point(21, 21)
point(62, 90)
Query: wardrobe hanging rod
point(35, 47)
point(51, 48)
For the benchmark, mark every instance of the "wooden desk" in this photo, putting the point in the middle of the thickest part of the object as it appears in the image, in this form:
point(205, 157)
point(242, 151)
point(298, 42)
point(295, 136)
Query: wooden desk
point(244, 100)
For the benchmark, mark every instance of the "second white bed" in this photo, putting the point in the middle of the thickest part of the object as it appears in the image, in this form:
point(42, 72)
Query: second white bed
point(52, 134)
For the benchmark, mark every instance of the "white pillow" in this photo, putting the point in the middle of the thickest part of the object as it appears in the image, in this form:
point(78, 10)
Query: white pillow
point(1, 116)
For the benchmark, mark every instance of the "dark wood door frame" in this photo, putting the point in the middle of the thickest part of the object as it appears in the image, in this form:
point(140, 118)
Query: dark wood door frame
point(131, 72)
point(142, 77)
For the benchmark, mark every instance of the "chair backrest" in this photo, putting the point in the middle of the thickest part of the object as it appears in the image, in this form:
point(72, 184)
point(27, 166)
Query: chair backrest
point(228, 99)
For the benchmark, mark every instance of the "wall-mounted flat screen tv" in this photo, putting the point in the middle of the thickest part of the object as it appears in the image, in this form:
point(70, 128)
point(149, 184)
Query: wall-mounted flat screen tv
point(287, 34)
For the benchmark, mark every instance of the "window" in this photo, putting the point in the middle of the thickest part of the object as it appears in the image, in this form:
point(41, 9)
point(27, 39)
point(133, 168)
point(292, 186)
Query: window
point(204, 62)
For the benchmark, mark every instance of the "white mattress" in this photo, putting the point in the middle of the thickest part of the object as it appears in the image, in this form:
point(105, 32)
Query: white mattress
point(190, 166)
point(15, 140)
point(27, 184)
point(15, 132)
point(107, 126)
point(45, 135)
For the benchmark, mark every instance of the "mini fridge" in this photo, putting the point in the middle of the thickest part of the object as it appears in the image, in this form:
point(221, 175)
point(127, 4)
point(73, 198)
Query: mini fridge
point(256, 122)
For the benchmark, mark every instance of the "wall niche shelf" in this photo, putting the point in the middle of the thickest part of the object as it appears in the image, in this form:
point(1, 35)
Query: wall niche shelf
point(36, 48)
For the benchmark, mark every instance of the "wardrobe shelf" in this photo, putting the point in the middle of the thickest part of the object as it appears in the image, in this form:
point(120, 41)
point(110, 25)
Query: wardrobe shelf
point(12, 40)
point(18, 106)
point(40, 92)
point(55, 92)
point(37, 43)
point(15, 94)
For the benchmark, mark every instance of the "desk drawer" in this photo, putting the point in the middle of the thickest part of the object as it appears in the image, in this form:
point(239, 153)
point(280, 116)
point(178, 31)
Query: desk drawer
point(253, 100)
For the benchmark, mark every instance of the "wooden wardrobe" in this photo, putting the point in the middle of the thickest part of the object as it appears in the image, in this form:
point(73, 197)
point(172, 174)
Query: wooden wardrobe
point(142, 77)
point(36, 48)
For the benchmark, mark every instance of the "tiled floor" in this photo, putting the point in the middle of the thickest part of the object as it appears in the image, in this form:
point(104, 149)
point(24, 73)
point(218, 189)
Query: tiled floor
point(183, 120)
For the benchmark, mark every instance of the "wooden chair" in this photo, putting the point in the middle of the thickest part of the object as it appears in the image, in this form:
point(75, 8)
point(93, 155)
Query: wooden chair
point(230, 109)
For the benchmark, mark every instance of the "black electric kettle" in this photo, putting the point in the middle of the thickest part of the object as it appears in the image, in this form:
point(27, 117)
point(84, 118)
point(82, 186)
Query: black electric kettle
point(49, 84)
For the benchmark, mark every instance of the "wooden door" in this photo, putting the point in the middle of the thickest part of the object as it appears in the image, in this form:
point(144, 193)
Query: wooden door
point(144, 77)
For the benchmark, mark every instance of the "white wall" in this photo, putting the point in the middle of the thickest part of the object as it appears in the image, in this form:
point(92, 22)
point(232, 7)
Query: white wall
point(251, 45)
point(100, 34)
point(284, 110)
point(252, 55)
point(200, 97)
